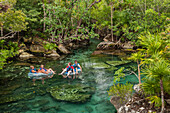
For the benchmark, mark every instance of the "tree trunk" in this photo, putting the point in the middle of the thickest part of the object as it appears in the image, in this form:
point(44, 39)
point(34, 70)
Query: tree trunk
point(1, 30)
point(112, 22)
point(44, 16)
point(18, 38)
point(162, 96)
point(139, 72)
point(145, 6)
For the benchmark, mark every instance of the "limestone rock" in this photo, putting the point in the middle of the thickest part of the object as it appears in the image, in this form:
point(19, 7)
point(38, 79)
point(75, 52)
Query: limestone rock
point(63, 49)
point(115, 101)
point(128, 45)
point(137, 88)
point(105, 45)
point(20, 51)
point(25, 55)
point(40, 41)
point(27, 39)
point(23, 47)
point(37, 48)
point(52, 54)
point(109, 52)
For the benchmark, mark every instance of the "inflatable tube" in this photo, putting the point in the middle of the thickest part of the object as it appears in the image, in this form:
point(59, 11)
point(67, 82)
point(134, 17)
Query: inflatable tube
point(79, 71)
point(39, 75)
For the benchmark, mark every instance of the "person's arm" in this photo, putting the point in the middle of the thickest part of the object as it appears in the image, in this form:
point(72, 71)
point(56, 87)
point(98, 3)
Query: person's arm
point(80, 67)
point(33, 71)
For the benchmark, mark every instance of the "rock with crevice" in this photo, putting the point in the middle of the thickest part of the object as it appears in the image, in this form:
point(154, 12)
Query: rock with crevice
point(16, 97)
point(63, 49)
point(138, 104)
point(53, 53)
point(128, 45)
point(25, 55)
point(105, 45)
point(36, 48)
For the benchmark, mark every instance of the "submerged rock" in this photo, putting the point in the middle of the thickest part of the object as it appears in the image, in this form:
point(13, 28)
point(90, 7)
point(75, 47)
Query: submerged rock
point(110, 52)
point(9, 89)
point(47, 108)
point(112, 68)
point(102, 108)
point(101, 65)
point(71, 93)
point(16, 97)
point(39, 103)
point(89, 109)
point(117, 63)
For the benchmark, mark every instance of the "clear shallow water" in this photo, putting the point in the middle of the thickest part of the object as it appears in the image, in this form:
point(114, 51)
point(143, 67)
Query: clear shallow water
point(17, 84)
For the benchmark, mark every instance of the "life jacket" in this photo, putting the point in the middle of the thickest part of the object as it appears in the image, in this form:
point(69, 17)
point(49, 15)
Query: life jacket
point(43, 68)
point(33, 69)
point(76, 66)
point(70, 68)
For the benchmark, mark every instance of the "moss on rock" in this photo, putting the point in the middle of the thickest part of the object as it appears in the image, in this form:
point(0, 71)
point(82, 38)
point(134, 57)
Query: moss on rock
point(117, 63)
point(71, 93)
point(16, 97)
point(101, 65)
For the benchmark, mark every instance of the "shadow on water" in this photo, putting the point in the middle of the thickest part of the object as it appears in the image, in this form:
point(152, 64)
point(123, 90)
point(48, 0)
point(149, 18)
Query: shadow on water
point(19, 95)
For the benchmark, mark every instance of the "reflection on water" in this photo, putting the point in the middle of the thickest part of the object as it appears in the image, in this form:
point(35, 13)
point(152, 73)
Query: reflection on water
point(19, 95)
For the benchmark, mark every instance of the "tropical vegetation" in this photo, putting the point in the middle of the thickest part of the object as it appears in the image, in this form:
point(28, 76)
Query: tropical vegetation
point(144, 22)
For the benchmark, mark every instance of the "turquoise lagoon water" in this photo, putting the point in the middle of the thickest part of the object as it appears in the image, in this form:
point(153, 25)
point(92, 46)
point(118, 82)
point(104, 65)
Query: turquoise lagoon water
point(15, 84)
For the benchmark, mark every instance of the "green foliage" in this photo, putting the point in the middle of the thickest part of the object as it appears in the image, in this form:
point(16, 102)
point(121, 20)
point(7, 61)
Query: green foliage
point(65, 21)
point(50, 46)
point(13, 20)
point(33, 12)
point(151, 87)
point(118, 74)
point(123, 91)
point(137, 56)
point(7, 50)
point(131, 18)
point(8, 2)
point(154, 43)
point(157, 70)
point(156, 100)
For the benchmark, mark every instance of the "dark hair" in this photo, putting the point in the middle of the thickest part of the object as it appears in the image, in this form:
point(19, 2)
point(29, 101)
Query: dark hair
point(69, 63)
point(75, 61)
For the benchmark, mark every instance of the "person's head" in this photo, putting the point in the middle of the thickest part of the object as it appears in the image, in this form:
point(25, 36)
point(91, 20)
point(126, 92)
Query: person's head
point(69, 64)
point(32, 67)
point(75, 61)
point(42, 66)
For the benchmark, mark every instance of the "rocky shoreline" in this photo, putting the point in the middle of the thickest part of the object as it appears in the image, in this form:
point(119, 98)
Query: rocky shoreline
point(34, 48)
point(138, 103)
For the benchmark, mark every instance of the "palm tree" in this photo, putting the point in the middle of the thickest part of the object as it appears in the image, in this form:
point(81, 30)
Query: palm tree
point(138, 57)
point(158, 70)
